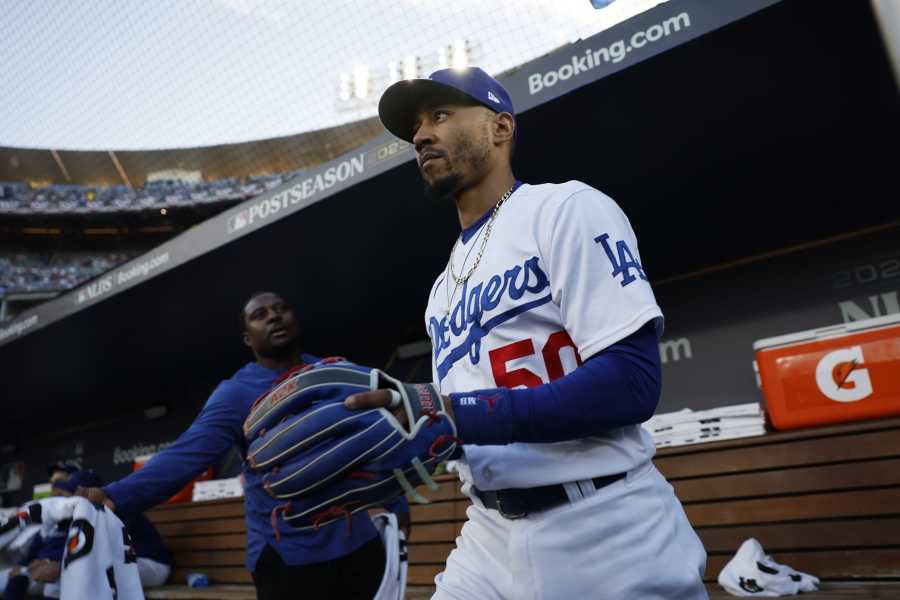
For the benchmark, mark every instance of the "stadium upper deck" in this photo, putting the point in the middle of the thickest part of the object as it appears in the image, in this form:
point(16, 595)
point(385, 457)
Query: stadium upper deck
point(50, 182)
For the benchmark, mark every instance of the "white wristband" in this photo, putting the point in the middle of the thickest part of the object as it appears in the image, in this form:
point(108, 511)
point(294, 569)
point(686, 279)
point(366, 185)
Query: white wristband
point(396, 399)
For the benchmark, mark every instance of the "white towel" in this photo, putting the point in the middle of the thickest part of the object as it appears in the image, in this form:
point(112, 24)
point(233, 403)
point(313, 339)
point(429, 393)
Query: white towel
point(686, 415)
point(393, 582)
point(718, 423)
point(751, 572)
point(711, 436)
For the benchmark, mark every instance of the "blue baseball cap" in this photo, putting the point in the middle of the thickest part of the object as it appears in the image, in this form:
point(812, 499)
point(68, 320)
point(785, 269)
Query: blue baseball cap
point(83, 478)
point(65, 467)
point(401, 101)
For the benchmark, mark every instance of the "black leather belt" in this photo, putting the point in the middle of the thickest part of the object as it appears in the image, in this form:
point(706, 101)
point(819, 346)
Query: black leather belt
point(515, 503)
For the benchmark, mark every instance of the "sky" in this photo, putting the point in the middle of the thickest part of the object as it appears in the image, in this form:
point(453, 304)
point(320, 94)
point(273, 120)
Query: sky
point(139, 75)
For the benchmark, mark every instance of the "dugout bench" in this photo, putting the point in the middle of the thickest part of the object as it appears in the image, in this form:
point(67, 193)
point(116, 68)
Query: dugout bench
point(823, 500)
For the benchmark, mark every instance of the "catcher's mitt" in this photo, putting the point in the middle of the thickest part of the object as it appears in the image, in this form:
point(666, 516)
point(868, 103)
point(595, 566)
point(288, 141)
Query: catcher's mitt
point(328, 461)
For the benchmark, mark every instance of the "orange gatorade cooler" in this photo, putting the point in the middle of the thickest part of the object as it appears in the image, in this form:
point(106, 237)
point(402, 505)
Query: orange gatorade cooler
point(185, 493)
point(841, 373)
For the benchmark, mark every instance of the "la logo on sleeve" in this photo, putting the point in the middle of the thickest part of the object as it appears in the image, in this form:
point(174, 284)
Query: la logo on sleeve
point(622, 260)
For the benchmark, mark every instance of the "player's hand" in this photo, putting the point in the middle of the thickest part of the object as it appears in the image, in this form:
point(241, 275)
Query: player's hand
point(44, 570)
point(375, 399)
point(97, 496)
point(382, 399)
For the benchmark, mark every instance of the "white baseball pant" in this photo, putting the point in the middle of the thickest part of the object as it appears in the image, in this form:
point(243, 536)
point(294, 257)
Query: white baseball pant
point(629, 540)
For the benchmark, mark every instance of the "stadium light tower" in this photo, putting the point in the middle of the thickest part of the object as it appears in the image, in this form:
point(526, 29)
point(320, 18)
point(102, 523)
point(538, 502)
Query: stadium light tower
point(460, 54)
point(361, 82)
point(393, 72)
point(344, 92)
point(410, 67)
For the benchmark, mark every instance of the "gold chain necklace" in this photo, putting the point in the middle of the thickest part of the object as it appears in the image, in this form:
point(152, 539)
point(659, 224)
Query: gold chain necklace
point(462, 278)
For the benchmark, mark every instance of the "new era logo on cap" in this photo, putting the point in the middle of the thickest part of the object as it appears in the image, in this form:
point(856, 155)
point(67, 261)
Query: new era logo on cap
point(476, 84)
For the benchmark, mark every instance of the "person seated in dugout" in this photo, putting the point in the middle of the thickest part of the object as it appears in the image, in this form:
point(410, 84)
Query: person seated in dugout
point(60, 470)
point(39, 572)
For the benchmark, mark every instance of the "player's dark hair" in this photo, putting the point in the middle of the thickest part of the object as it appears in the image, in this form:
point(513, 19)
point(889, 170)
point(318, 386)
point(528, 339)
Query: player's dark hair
point(242, 317)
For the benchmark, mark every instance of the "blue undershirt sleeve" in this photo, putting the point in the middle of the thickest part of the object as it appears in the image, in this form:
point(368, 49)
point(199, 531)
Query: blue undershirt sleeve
point(618, 386)
point(215, 430)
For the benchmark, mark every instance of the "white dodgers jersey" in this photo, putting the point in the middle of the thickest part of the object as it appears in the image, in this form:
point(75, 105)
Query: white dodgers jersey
point(99, 561)
point(559, 280)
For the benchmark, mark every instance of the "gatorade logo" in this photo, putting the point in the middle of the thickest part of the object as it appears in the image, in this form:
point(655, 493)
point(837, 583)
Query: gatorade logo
point(840, 375)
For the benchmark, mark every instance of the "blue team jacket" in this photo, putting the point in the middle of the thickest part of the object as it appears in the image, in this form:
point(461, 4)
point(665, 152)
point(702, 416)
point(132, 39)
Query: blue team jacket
point(215, 431)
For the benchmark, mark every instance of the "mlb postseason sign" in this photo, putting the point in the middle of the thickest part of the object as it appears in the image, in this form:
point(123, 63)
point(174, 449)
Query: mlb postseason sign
point(584, 62)
point(296, 195)
point(307, 189)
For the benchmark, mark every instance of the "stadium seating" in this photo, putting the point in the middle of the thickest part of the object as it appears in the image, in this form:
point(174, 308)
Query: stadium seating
point(28, 272)
point(19, 198)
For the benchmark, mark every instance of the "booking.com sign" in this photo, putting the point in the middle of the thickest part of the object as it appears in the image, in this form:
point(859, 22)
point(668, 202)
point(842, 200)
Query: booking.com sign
point(613, 53)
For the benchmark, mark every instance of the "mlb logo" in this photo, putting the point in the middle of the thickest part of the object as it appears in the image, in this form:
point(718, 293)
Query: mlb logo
point(238, 221)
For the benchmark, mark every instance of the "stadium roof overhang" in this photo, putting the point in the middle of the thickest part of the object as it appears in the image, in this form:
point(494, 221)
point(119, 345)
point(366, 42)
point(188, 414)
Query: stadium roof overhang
point(117, 167)
point(768, 131)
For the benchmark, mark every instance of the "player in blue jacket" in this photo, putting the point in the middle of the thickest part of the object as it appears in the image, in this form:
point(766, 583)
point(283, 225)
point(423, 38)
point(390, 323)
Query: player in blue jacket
point(341, 561)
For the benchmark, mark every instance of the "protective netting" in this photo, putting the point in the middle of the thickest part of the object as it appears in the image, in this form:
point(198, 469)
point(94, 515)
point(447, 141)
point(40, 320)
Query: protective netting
point(213, 90)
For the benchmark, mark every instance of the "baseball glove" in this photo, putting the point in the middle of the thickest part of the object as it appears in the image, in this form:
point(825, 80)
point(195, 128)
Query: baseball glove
point(327, 461)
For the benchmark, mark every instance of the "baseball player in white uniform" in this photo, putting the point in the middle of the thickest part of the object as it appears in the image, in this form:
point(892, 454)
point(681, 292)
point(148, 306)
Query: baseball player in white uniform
point(544, 331)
